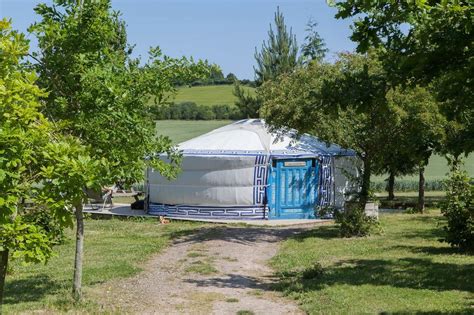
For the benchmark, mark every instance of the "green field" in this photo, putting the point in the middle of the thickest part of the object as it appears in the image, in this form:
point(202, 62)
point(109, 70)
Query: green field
point(404, 270)
point(436, 169)
point(208, 95)
point(181, 130)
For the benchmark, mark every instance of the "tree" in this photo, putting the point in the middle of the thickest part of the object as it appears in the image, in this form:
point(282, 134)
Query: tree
point(247, 104)
point(231, 78)
point(99, 94)
point(342, 103)
point(412, 137)
point(427, 43)
point(279, 54)
point(314, 47)
point(36, 162)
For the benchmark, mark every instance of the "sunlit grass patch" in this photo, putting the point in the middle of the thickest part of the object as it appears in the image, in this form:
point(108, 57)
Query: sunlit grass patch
point(405, 269)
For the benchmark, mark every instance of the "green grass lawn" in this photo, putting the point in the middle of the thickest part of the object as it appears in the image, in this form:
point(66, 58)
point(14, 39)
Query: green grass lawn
point(208, 95)
point(113, 249)
point(182, 130)
point(405, 270)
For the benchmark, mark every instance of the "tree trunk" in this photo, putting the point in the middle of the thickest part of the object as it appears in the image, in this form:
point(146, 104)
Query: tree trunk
point(421, 190)
point(391, 186)
point(364, 194)
point(3, 274)
point(77, 285)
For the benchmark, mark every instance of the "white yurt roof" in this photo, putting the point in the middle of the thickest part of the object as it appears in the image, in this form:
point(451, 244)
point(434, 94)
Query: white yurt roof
point(252, 136)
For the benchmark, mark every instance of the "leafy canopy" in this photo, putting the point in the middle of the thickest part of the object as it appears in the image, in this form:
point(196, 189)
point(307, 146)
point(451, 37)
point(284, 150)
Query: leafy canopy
point(37, 163)
point(428, 43)
point(352, 103)
point(99, 93)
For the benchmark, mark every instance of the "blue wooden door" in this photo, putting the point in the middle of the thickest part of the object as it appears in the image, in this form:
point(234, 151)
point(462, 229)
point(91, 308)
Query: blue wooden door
point(293, 189)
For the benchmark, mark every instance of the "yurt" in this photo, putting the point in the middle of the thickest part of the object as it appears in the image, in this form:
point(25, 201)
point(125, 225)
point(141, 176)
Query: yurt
point(245, 171)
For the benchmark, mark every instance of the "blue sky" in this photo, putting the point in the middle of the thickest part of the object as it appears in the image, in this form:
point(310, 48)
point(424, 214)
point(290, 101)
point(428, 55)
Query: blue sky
point(224, 32)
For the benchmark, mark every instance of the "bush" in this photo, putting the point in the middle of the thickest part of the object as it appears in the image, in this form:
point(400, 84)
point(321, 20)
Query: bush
point(458, 208)
point(354, 222)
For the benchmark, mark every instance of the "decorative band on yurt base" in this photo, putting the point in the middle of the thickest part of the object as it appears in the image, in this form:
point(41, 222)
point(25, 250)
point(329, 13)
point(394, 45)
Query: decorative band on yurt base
point(208, 212)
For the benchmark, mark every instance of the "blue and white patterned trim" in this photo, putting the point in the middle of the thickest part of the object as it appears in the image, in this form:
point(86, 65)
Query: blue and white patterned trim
point(260, 179)
point(208, 212)
point(326, 183)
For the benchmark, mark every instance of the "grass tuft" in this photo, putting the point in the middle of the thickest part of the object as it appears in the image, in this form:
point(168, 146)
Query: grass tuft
point(201, 267)
point(232, 300)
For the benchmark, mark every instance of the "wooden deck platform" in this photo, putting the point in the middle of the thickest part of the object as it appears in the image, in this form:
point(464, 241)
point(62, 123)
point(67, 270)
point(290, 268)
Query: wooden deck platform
point(124, 210)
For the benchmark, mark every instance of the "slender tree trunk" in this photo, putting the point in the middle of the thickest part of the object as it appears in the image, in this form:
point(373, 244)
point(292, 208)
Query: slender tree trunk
point(77, 285)
point(364, 194)
point(3, 274)
point(391, 186)
point(421, 190)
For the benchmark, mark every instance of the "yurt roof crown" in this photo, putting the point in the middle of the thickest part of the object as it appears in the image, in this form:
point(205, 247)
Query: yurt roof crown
point(253, 136)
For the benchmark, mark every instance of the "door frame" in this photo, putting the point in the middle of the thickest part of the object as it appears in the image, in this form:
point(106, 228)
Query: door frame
point(274, 178)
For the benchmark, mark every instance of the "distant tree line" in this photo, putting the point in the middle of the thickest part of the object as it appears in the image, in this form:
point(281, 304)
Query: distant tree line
point(216, 77)
point(193, 111)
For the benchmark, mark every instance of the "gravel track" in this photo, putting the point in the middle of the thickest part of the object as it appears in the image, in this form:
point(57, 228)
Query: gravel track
point(218, 270)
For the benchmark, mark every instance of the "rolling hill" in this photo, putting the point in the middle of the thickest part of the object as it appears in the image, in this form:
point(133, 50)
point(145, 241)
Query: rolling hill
point(208, 95)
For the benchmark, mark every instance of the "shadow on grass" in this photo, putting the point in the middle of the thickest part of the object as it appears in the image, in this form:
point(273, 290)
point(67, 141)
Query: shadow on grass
point(32, 289)
point(323, 232)
point(431, 250)
point(413, 273)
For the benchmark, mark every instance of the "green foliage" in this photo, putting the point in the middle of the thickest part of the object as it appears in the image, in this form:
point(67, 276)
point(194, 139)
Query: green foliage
point(279, 54)
point(248, 104)
point(343, 103)
point(99, 94)
point(25, 241)
point(458, 208)
point(192, 111)
point(31, 153)
point(314, 47)
point(416, 131)
point(404, 185)
point(216, 77)
point(354, 222)
point(428, 43)
point(45, 220)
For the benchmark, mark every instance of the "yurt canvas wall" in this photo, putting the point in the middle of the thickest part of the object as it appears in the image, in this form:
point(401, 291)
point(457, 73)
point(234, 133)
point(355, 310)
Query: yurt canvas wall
point(242, 171)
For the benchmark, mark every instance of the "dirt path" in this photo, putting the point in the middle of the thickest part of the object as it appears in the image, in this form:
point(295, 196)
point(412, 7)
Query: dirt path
point(219, 270)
